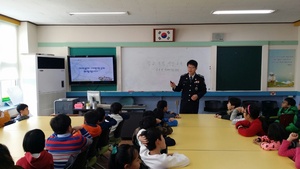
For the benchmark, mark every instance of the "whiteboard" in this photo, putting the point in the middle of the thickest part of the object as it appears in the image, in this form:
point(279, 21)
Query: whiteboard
point(152, 68)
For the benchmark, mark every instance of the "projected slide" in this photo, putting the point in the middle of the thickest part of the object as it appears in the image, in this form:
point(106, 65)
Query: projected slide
point(91, 69)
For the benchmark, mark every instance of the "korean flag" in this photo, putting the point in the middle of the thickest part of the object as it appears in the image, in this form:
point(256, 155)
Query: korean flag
point(164, 35)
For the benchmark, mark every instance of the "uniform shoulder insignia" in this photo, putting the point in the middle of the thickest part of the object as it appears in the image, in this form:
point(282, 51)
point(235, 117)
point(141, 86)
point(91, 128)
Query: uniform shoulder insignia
point(200, 75)
point(184, 74)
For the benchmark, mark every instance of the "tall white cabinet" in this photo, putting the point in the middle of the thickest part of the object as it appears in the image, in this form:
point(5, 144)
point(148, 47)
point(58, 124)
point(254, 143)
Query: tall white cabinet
point(42, 80)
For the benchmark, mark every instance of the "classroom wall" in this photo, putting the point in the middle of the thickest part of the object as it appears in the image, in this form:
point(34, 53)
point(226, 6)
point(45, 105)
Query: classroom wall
point(27, 38)
point(183, 33)
point(57, 39)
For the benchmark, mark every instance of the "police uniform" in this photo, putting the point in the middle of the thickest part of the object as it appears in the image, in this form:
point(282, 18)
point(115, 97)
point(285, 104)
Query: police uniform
point(188, 87)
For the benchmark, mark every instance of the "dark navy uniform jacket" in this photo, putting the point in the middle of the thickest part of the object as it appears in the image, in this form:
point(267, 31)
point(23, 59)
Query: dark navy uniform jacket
point(188, 89)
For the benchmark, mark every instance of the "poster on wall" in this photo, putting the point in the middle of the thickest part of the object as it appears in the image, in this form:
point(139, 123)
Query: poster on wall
point(281, 67)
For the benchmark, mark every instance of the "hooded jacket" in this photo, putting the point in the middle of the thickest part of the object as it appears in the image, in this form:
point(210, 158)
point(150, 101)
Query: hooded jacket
point(44, 161)
point(290, 110)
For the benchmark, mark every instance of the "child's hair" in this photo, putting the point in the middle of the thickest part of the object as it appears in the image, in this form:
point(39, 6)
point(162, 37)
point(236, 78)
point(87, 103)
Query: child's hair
point(91, 117)
point(192, 62)
point(234, 101)
point(147, 122)
point(148, 113)
point(21, 107)
point(60, 123)
point(125, 154)
point(290, 101)
point(152, 135)
point(5, 157)
point(252, 109)
point(277, 132)
point(34, 141)
point(101, 113)
point(161, 105)
point(115, 108)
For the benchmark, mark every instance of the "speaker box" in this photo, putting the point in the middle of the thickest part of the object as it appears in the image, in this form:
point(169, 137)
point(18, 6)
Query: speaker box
point(218, 37)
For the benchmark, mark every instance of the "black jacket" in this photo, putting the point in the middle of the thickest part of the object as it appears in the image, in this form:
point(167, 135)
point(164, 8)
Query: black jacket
point(196, 86)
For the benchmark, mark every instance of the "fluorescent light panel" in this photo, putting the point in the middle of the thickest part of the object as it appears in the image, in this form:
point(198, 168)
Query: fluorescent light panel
point(98, 13)
point(227, 12)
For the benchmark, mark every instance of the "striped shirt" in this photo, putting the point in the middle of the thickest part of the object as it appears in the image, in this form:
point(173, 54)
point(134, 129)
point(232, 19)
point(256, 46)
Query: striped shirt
point(63, 146)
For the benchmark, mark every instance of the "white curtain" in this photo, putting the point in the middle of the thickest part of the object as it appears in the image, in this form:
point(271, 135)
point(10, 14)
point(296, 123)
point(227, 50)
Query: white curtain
point(8, 57)
point(8, 52)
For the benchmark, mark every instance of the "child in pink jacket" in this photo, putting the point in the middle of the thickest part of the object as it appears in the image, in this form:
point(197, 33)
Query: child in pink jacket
point(273, 140)
point(293, 153)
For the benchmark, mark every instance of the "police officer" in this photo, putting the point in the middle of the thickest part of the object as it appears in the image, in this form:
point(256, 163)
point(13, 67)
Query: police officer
point(192, 86)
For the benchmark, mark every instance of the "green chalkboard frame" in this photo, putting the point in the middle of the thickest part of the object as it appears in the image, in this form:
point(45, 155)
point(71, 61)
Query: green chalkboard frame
point(238, 68)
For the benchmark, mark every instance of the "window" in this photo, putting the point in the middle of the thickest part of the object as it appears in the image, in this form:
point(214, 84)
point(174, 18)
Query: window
point(8, 57)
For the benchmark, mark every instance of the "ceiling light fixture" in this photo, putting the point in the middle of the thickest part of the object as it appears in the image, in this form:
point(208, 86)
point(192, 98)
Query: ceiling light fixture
point(98, 13)
point(228, 12)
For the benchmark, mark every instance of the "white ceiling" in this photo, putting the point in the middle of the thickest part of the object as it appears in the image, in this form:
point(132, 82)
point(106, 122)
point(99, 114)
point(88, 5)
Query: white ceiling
point(165, 12)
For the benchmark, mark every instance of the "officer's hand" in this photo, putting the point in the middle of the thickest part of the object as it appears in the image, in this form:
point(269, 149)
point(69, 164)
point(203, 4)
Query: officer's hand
point(172, 84)
point(194, 97)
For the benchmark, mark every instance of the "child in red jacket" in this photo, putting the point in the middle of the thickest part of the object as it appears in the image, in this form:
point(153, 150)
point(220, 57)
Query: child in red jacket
point(252, 125)
point(35, 156)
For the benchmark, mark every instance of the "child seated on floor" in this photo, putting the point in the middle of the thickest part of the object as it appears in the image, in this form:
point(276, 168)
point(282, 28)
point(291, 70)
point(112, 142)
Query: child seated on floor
point(66, 142)
point(151, 152)
point(253, 124)
point(35, 156)
point(160, 111)
point(4, 118)
point(273, 140)
point(234, 112)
